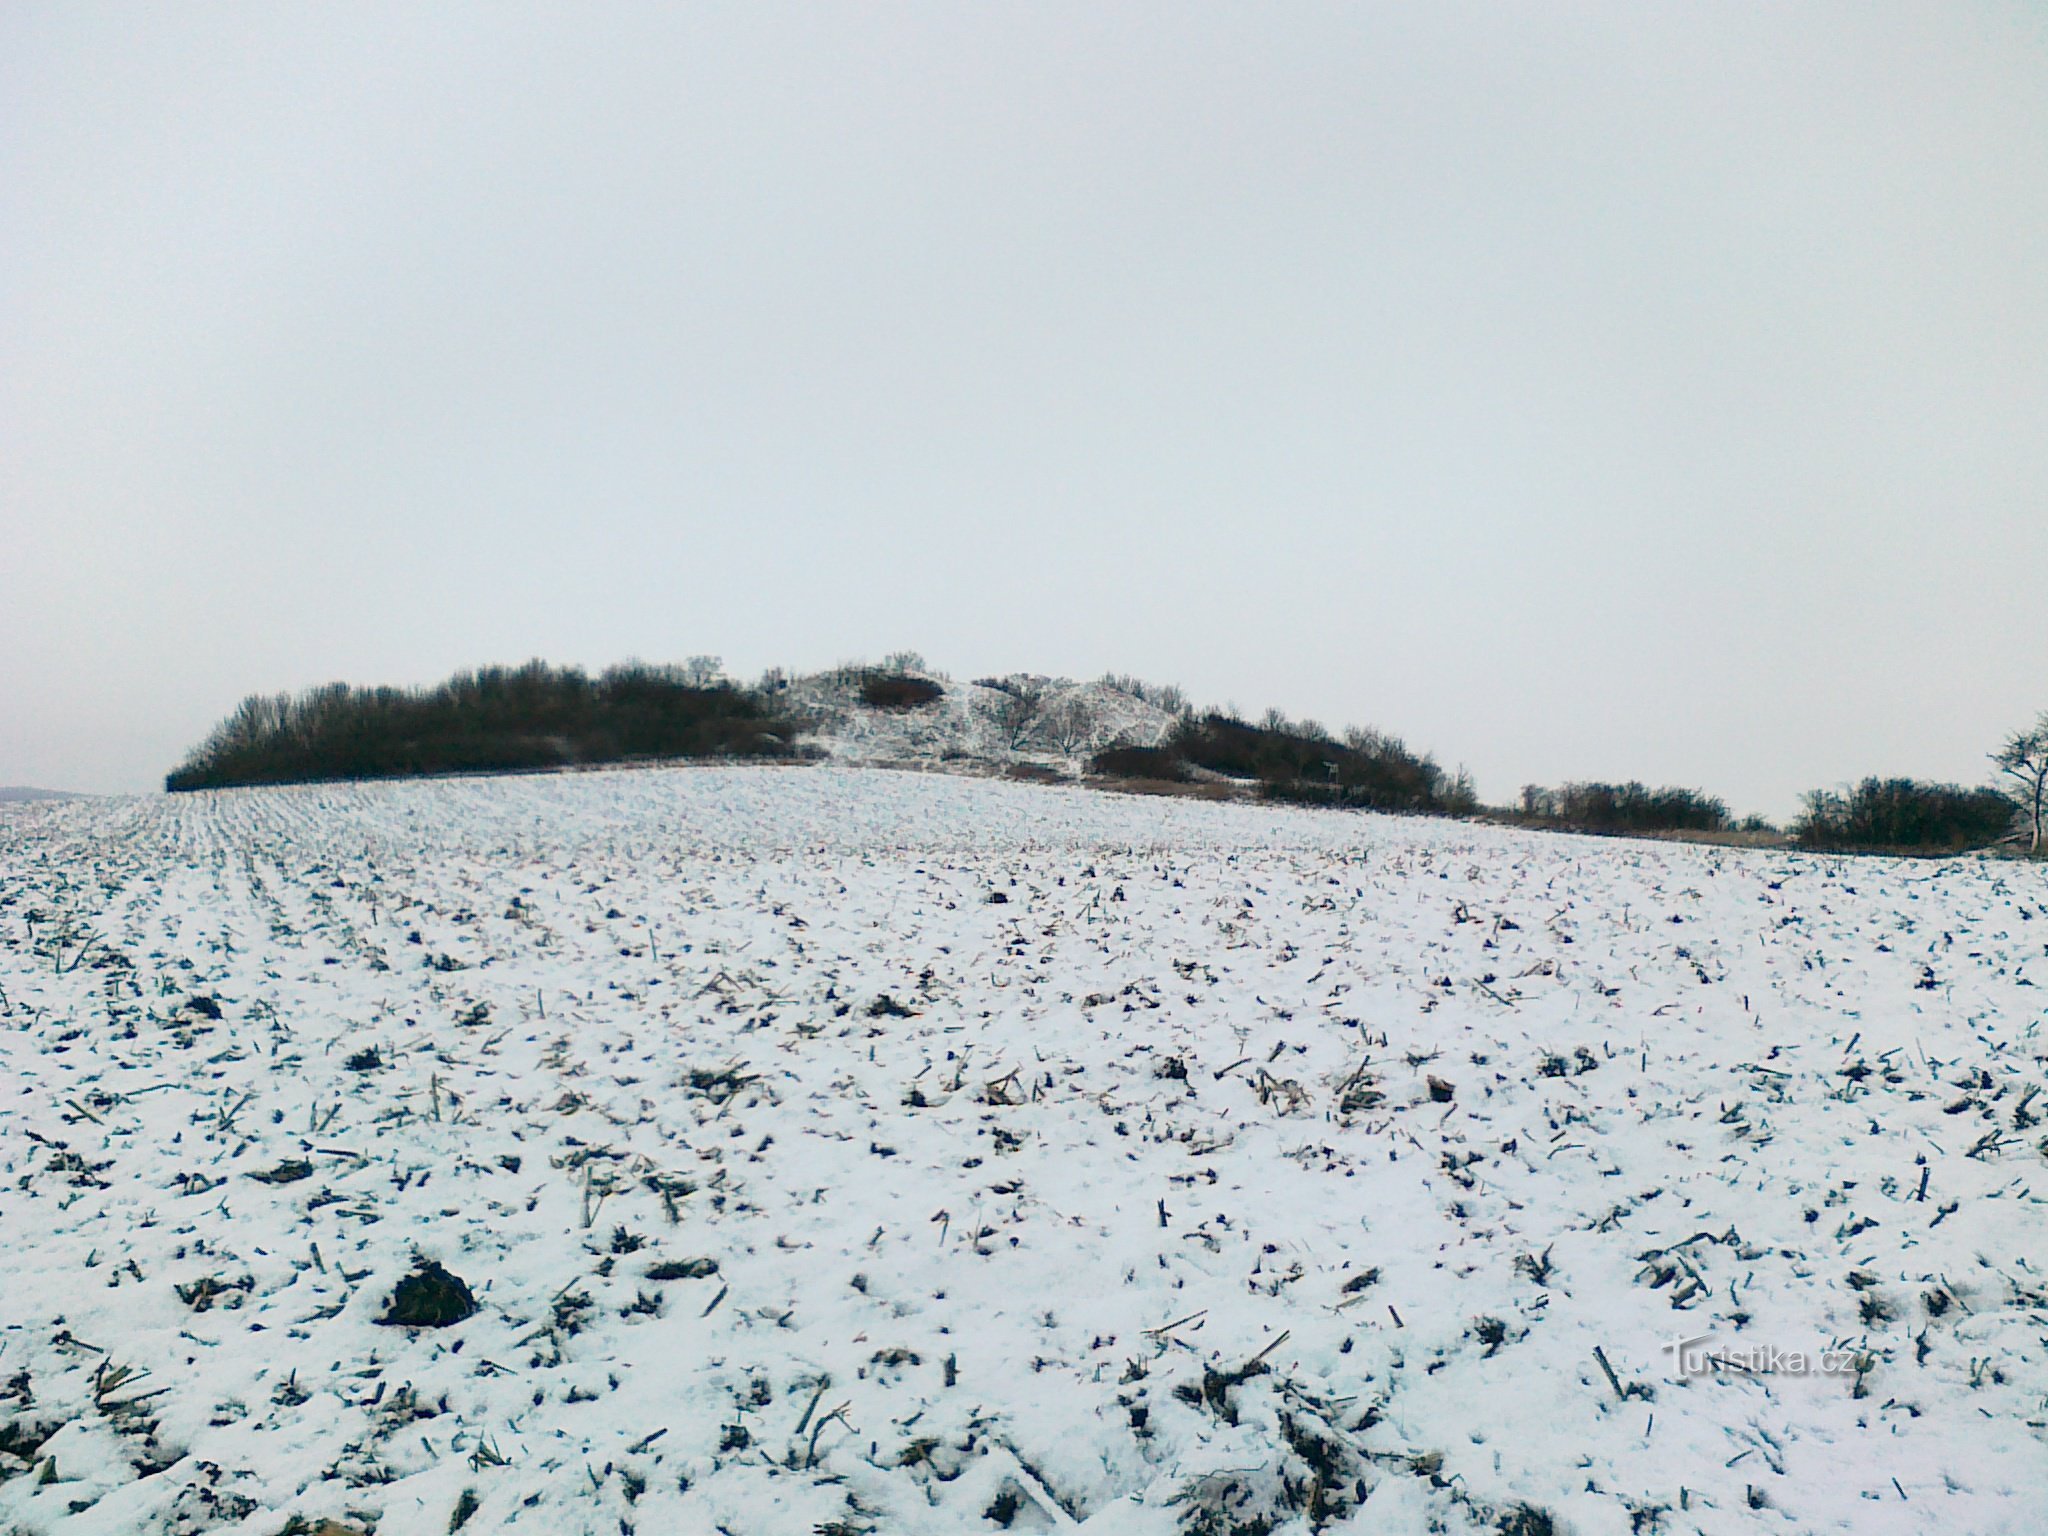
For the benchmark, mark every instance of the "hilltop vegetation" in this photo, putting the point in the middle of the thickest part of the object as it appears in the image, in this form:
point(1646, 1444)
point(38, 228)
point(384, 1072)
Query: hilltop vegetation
point(1297, 761)
point(492, 719)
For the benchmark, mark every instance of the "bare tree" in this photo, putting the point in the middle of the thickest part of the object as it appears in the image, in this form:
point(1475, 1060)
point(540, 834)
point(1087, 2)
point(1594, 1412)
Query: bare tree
point(2024, 761)
point(1070, 724)
point(703, 671)
point(1014, 710)
point(1373, 742)
point(1462, 797)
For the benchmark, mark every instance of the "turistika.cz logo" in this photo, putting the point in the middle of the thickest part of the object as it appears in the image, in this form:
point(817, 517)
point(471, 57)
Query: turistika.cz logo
point(1699, 1355)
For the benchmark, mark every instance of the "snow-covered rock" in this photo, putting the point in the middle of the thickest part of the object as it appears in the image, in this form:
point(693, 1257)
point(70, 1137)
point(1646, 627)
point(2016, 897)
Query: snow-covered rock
point(980, 723)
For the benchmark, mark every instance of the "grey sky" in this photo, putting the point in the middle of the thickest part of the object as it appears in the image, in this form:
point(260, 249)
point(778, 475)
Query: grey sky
point(1577, 391)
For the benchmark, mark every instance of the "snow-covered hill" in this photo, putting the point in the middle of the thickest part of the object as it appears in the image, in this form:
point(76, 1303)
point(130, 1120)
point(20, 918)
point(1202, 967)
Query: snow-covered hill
point(841, 1151)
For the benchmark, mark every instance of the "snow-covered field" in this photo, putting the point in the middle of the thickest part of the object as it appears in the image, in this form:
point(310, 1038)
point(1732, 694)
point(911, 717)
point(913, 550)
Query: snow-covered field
point(1019, 1154)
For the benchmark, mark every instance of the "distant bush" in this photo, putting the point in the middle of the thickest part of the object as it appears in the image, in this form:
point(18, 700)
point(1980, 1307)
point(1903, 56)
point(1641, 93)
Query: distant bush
point(1138, 763)
point(493, 719)
point(1630, 807)
point(1460, 796)
point(894, 690)
point(1905, 815)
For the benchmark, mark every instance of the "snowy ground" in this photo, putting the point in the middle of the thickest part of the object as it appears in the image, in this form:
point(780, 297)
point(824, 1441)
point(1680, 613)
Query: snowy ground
point(1022, 1154)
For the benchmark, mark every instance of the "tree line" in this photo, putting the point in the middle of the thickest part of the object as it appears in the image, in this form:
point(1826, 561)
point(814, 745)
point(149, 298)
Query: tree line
point(1631, 807)
point(1879, 815)
point(1904, 814)
point(493, 719)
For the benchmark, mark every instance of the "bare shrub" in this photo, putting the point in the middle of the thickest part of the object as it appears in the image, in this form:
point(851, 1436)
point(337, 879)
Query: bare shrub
point(895, 690)
point(1130, 762)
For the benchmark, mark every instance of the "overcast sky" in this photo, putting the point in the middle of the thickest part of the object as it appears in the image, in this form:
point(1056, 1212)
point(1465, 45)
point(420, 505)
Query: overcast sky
point(1578, 391)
